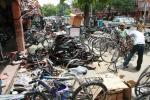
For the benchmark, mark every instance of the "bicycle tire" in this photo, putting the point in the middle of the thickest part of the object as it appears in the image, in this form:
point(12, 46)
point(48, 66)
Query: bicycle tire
point(87, 50)
point(143, 97)
point(96, 45)
point(86, 85)
point(147, 69)
point(139, 86)
point(115, 54)
point(33, 96)
point(101, 45)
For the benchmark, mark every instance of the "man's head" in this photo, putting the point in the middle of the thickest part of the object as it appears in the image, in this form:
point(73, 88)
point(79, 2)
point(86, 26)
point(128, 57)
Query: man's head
point(122, 25)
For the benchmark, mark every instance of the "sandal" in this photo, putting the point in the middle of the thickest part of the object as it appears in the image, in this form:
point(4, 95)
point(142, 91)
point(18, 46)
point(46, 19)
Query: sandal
point(4, 76)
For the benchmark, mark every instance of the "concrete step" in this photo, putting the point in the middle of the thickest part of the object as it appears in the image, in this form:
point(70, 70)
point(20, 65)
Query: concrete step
point(11, 71)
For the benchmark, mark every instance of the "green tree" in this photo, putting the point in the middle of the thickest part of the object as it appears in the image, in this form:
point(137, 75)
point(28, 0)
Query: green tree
point(67, 11)
point(60, 9)
point(99, 7)
point(63, 9)
point(122, 5)
point(84, 5)
point(48, 10)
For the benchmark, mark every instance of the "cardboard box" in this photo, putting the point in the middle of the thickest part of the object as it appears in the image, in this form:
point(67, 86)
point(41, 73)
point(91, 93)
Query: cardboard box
point(76, 20)
point(115, 95)
point(117, 88)
point(124, 94)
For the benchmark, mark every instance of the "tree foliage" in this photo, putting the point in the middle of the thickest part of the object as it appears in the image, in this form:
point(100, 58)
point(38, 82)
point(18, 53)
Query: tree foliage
point(98, 5)
point(122, 5)
point(119, 5)
point(60, 9)
point(84, 5)
point(49, 9)
point(63, 9)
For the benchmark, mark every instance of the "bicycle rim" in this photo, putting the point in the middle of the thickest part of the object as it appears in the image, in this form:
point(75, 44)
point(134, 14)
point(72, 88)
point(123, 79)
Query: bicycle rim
point(111, 53)
point(142, 84)
point(87, 91)
point(147, 69)
point(145, 96)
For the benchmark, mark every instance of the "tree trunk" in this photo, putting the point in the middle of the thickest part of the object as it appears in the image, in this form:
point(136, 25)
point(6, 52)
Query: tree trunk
point(86, 15)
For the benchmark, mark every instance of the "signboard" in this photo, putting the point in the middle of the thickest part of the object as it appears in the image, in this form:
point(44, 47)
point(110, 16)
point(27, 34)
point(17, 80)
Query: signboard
point(74, 31)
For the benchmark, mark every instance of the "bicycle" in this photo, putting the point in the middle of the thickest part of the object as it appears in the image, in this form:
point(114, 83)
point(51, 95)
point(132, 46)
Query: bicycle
point(147, 41)
point(145, 96)
point(31, 94)
point(37, 92)
point(87, 85)
point(61, 91)
point(69, 92)
point(32, 37)
point(142, 87)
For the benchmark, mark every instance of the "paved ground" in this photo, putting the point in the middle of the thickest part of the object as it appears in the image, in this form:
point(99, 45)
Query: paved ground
point(9, 71)
point(128, 74)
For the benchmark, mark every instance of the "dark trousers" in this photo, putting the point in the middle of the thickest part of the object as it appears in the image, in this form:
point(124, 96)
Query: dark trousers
point(139, 48)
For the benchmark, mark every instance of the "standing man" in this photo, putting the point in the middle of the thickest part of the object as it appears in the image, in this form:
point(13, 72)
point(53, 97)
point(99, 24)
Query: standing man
point(138, 46)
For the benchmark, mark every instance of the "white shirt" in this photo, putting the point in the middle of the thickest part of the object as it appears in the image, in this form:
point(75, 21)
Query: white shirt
point(138, 36)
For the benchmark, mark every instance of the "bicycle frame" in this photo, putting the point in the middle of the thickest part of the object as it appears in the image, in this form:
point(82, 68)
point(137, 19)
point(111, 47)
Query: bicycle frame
point(54, 91)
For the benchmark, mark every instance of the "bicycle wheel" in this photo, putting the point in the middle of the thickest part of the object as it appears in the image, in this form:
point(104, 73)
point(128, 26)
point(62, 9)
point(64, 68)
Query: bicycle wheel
point(142, 85)
point(87, 91)
point(147, 69)
point(97, 44)
point(86, 54)
point(111, 52)
point(145, 96)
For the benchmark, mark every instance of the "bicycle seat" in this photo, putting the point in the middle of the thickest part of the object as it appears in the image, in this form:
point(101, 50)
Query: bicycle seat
point(12, 97)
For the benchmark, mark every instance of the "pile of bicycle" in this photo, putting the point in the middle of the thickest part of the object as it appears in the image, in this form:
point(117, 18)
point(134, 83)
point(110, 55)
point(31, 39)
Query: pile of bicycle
point(45, 80)
point(54, 69)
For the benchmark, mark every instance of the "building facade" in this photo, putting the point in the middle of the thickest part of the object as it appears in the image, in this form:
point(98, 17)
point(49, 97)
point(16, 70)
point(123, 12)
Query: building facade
point(143, 9)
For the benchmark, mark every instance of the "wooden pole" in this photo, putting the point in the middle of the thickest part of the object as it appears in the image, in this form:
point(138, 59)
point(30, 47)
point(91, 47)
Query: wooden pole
point(145, 9)
point(18, 25)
